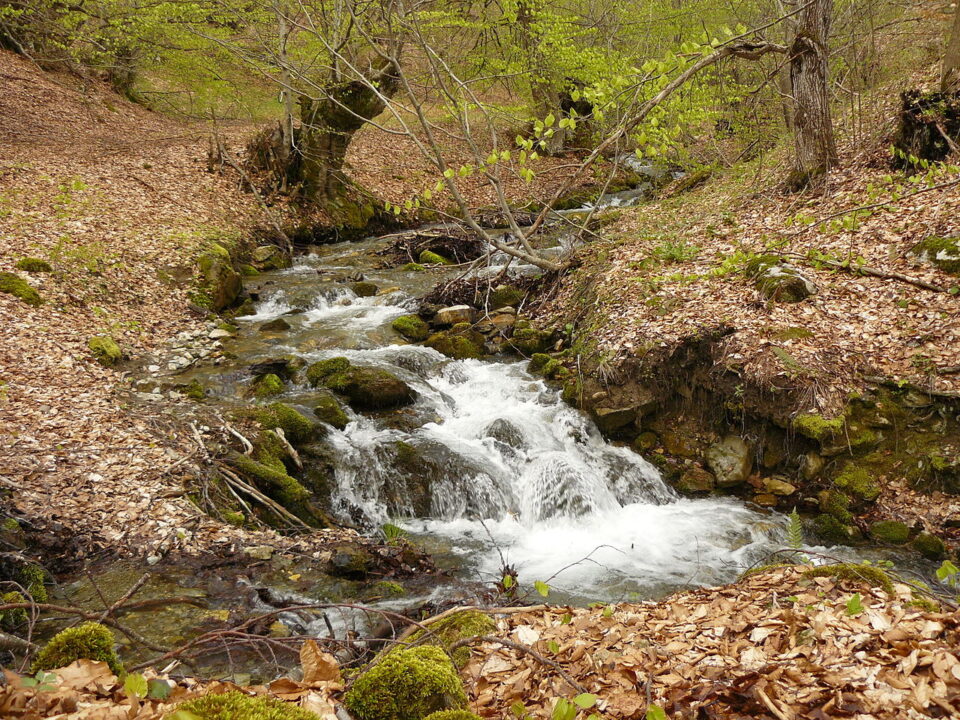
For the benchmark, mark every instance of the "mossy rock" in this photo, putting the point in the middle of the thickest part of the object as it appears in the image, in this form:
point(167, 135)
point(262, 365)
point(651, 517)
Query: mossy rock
point(89, 641)
point(431, 258)
point(272, 478)
point(890, 531)
point(237, 706)
point(856, 482)
point(267, 386)
point(234, 518)
point(461, 342)
point(452, 715)
point(867, 574)
point(930, 546)
point(407, 685)
point(249, 271)
point(219, 285)
point(270, 257)
point(817, 427)
point(389, 588)
point(296, 426)
point(831, 529)
point(941, 252)
point(369, 388)
point(105, 350)
point(450, 630)
point(328, 410)
point(506, 296)
point(528, 340)
point(11, 619)
point(13, 284)
point(34, 265)
point(413, 267)
point(411, 327)
point(353, 562)
point(193, 390)
point(364, 289)
point(276, 325)
point(837, 503)
point(322, 369)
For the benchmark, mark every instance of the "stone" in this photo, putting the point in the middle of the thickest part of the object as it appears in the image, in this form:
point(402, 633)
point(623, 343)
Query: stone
point(765, 500)
point(730, 460)
point(369, 388)
point(259, 552)
point(609, 419)
point(941, 252)
point(696, 480)
point(351, 561)
point(778, 486)
point(460, 342)
point(218, 334)
point(219, 283)
point(270, 257)
point(779, 281)
point(364, 289)
point(454, 315)
point(276, 325)
point(811, 465)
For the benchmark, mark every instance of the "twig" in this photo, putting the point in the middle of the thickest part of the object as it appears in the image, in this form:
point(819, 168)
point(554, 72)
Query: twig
point(126, 596)
point(288, 447)
point(524, 649)
point(233, 479)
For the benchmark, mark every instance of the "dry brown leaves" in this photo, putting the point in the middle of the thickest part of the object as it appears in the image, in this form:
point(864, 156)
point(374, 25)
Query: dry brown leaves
point(88, 690)
point(775, 645)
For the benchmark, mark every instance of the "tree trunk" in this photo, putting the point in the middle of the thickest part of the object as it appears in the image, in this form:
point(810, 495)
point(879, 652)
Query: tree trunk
point(950, 74)
point(328, 124)
point(816, 149)
point(544, 92)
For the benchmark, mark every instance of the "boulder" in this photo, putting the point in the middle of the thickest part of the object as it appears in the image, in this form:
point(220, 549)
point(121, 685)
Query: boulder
point(696, 480)
point(275, 325)
point(779, 281)
point(269, 257)
point(411, 327)
point(105, 350)
point(219, 284)
point(506, 296)
point(328, 410)
point(351, 561)
point(454, 315)
point(777, 485)
point(609, 419)
point(942, 253)
point(730, 460)
point(364, 289)
point(459, 342)
point(369, 388)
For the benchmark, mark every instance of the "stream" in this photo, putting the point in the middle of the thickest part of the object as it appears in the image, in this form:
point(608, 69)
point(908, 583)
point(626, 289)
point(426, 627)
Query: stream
point(515, 475)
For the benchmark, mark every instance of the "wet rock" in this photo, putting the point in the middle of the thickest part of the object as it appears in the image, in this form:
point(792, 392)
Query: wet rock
point(219, 334)
point(930, 546)
point(696, 480)
point(328, 410)
point(777, 485)
point(320, 370)
point(609, 419)
point(270, 257)
point(351, 561)
point(765, 500)
point(219, 284)
point(811, 465)
point(454, 315)
point(459, 342)
point(506, 296)
point(779, 281)
point(364, 289)
point(679, 443)
point(276, 325)
point(411, 327)
point(266, 386)
point(506, 432)
point(527, 339)
point(431, 258)
point(370, 388)
point(730, 461)
point(285, 367)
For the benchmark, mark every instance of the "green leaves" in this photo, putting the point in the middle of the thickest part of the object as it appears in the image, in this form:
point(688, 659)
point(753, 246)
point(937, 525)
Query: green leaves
point(854, 605)
point(135, 686)
point(542, 588)
point(564, 710)
point(585, 701)
point(655, 712)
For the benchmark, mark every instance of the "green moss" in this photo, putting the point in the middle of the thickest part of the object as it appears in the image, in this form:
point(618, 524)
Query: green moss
point(386, 587)
point(868, 574)
point(506, 296)
point(34, 579)
point(219, 285)
point(856, 482)
point(237, 519)
point(459, 342)
point(322, 369)
point(431, 258)
point(249, 271)
point(10, 619)
point(817, 427)
point(267, 386)
point(194, 390)
point(296, 426)
point(572, 390)
point(328, 410)
point(450, 630)
point(930, 546)
point(407, 455)
point(452, 715)
point(413, 267)
point(891, 531)
point(18, 287)
point(30, 264)
point(837, 504)
point(105, 350)
point(528, 340)
point(830, 529)
point(411, 327)
point(923, 604)
point(369, 388)
point(943, 253)
point(89, 641)
point(407, 685)
point(10, 525)
point(283, 488)
point(792, 333)
point(237, 706)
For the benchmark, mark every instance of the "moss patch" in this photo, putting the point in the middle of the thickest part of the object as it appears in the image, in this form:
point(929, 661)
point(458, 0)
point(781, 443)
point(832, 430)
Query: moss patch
point(930, 546)
point(267, 386)
point(296, 426)
point(831, 529)
point(370, 388)
point(459, 342)
point(411, 327)
point(506, 296)
point(459, 626)
point(322, 369)
point(413, 267)
point(237, 706)
point(868, 574)
point(452, 715)
point(943, 253)
point(890, 531)
point(407, 685)
point(35, 265)
point(817, 427)
point(105, 350)
point(34, 579)
point(431, 258)
point(89, 641)
point(15, 285)
point(10, 619)
point(328, 410)
point(856, 482)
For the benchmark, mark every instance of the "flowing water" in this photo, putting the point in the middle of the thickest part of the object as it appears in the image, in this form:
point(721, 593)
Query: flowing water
point(505, 472)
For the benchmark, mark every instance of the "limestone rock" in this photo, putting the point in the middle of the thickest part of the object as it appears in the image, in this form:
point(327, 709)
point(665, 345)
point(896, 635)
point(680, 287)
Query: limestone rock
point(730, 460)
point(696, 480)
point(778, 486)
point(454, 315)
point(270, 257)
point(609, 419)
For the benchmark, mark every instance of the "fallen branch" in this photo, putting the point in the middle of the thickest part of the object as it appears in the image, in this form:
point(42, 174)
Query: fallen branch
point(871, 271)
point(234, 480)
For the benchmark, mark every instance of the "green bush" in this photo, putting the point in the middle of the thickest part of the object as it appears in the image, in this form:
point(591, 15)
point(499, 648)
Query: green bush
point(90, 641)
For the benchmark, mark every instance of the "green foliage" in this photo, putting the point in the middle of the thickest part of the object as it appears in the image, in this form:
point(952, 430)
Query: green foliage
point(407, 684)
point(90, 641)
point(675, 251)
point(10, 619)
point(794, 531)
point(854, 605)
point(237, 706)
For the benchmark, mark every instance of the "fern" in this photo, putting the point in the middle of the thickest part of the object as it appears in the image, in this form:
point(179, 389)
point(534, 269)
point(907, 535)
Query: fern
point(794, 531)
point(392, 533)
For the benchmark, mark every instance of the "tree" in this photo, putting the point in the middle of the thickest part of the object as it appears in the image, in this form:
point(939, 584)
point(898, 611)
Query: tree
point(816, 150)
point(950, 73)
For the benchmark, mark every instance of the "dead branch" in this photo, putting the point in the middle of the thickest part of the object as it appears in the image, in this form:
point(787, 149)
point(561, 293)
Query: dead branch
point(234, 480)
